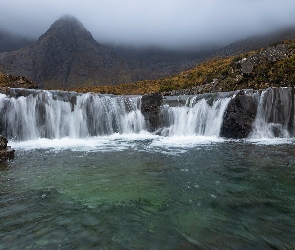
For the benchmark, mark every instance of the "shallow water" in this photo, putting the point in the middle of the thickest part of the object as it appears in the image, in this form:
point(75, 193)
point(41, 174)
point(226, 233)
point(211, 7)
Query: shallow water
point(148, 192)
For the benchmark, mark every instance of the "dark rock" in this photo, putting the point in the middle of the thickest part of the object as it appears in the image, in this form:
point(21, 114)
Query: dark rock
point(239, 116)
point(6, 152)
point(150, 108)
point(3, 142)
point(247, 66)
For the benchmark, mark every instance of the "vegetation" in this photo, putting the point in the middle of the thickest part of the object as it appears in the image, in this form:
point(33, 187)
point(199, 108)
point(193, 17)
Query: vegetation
point(15, 82)
point(270, 67)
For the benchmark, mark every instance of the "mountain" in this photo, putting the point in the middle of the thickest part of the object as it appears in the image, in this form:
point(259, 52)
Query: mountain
point(10, 42)
point(66, 55)
point(257, 42)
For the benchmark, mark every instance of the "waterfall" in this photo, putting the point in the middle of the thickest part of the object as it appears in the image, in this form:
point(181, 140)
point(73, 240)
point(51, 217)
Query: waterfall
point(275, 114)
point(199, 116)
point(33, 114)
point(57, 114)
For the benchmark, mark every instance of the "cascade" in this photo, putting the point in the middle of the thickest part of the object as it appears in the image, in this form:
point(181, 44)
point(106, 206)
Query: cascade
point(32, 114)
point(201, 115)
point(275, 114)
point(57, 114)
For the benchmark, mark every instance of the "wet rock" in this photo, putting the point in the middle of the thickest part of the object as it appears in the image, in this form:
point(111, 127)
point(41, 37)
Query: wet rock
point(239, 116)
point(6, 152)
point(3, 143)
point(150, 108)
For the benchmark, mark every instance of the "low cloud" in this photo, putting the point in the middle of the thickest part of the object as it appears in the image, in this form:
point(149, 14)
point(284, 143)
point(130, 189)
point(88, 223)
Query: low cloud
point(170, 23)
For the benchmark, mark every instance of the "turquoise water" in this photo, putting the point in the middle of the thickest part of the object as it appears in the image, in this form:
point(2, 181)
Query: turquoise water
point(143, 193)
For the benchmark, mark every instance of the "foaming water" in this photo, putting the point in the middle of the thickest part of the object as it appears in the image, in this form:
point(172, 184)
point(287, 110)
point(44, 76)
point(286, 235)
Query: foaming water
point(198, 117)
point(114, 142)
point(275, 114)
point(54, 115)
point(118, 142)
point(271, 141)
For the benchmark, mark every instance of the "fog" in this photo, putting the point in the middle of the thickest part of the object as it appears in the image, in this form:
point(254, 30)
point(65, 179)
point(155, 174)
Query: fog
point(169, 23)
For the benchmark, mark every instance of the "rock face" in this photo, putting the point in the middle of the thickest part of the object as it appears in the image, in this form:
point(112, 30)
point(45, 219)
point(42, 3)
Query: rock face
point(66, 55)
point(240, 115)
point(150, 108)
point(6, 153)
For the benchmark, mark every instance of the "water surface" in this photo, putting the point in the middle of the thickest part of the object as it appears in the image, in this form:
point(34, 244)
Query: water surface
point(148, 192)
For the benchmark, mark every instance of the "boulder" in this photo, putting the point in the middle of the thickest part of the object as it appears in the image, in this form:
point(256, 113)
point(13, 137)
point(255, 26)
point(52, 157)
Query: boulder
point(239, 116)
point(3, 143)
point(6, 152)
point(150, 108)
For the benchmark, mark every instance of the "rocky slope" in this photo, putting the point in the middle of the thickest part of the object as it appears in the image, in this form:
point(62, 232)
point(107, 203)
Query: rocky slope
point(66, 55)
point(256, 42)
point(10, 81)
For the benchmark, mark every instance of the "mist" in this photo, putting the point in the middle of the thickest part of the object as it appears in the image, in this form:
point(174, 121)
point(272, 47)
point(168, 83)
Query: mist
point(165, 23)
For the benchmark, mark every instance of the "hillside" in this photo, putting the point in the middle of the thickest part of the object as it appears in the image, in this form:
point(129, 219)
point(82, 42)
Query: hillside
point(270, 67)
point(256, 42)
point(15, 82)
point(66, 55)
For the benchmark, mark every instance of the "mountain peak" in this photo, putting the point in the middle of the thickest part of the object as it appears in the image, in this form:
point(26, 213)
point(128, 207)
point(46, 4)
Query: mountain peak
point(68, 20)
point(67, 26)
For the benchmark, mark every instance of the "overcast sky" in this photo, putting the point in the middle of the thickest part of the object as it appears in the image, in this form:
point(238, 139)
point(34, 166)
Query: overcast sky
point(157, 22)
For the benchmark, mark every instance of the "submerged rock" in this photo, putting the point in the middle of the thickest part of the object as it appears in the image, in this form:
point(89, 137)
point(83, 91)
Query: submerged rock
point(239, 116)
point(6, 152)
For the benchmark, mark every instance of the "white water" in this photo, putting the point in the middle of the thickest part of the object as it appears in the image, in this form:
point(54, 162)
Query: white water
point(273, 114)
point(195, 119)
point(43, 116)
point(91, 122)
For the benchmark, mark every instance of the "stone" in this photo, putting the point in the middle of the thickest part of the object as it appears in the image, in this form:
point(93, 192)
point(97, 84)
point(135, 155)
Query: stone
point(6, 152)
point(239, 117)
point(247, 67)
point(3, 143)
point(150, 108)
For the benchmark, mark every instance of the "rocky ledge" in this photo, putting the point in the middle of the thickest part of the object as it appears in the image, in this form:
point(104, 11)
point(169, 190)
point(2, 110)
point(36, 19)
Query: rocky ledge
point(6, 152)
point(9, 81)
